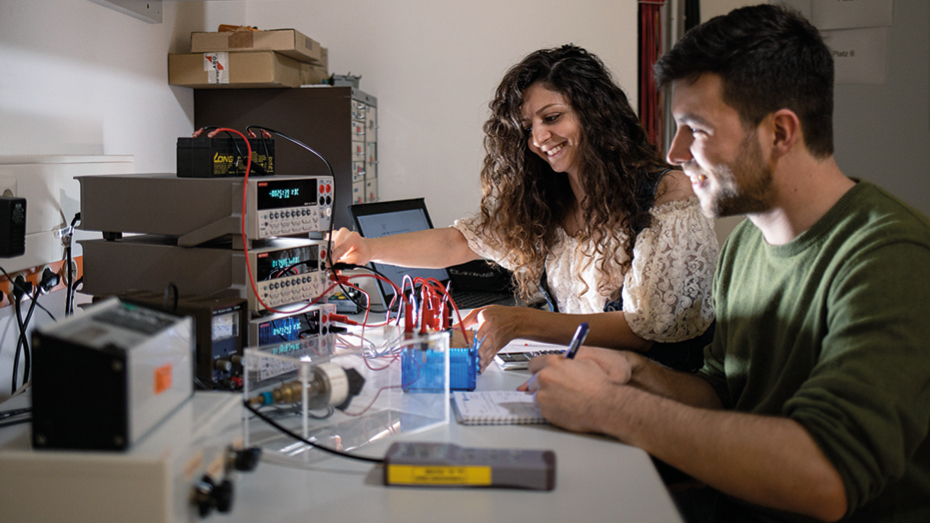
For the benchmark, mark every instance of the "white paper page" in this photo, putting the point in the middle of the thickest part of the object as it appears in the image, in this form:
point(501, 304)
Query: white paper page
point(496, 405)
point(859, 55)
point(521, 345)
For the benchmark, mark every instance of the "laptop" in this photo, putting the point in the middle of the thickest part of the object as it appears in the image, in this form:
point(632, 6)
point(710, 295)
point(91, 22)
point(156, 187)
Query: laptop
point(473, 284)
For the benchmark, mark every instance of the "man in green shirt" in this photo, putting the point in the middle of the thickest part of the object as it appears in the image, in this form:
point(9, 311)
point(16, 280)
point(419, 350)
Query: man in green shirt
point(814, 400)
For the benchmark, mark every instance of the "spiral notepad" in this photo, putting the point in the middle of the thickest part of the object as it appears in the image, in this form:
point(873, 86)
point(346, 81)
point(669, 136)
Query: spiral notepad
point(496, 407)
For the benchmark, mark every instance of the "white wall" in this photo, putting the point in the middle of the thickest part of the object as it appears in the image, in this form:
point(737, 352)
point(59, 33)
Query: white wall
point(434, 67)
point(881, 132)
point(78, 78)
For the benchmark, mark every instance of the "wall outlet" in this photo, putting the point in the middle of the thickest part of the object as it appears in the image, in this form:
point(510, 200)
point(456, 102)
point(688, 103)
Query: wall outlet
point(7, 186)
point(53, 193)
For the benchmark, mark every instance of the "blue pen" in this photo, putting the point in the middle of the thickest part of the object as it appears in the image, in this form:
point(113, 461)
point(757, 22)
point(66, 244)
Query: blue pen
point(577, 340)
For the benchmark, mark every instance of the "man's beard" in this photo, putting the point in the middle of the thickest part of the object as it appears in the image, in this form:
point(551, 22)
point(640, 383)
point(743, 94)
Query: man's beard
point(742, 188)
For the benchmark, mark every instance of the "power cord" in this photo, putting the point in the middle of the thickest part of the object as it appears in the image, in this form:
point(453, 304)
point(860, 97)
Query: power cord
point(293, 435)
point(69, 273)
point(351, 266)
point(13, 413)
point(14, 286)
point(22, 343)
point(24, 288)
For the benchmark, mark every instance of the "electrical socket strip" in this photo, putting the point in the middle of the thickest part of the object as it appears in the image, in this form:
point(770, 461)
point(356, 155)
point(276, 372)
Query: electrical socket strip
point(34, 276)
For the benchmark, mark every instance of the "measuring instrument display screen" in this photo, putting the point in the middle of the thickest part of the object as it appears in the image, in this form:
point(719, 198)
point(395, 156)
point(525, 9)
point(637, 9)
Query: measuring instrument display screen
point(291, 328)
point(281, 330)
point(280, 194)
point(225, 326)
point(287, 262)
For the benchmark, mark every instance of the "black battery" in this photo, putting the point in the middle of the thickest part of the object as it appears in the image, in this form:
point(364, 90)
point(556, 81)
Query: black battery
point(205, 157)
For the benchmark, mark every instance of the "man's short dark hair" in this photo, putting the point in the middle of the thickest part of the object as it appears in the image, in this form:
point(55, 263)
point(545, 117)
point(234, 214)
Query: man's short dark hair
point(769, 58)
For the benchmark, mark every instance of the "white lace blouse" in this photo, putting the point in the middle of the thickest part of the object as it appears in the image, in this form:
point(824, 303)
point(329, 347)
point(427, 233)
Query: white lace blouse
point(667, 289)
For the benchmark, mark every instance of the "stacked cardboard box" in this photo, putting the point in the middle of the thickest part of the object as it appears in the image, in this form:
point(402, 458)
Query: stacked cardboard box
point(248, 58)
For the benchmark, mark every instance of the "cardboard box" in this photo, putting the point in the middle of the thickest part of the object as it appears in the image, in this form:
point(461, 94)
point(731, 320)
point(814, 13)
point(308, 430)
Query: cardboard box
point(288, 42)
point(313, 74)
point(316, 74)
point(224, 69)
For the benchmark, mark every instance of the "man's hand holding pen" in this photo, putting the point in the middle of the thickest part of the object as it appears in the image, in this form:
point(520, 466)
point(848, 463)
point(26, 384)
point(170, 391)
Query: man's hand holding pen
point(566, 390)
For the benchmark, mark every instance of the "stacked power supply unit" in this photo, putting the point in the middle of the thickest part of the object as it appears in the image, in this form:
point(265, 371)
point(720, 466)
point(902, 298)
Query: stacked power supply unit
point(234, 253)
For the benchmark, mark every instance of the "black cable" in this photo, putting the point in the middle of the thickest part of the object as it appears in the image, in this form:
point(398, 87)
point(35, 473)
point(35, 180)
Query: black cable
point(284, 430)
point(171, 287)
point(332, 221)
point(46, 311)
point(232, 139)
point(268, 166)
point(330, 410)
point(15, 422)
point(18, 290)
point(69, 273)
point(14, 284)
point(68, 279)
point(26, 351)
point(346, 266)
point(17, 306)
point(14, 412)
point(284, 272)
point(295, 410)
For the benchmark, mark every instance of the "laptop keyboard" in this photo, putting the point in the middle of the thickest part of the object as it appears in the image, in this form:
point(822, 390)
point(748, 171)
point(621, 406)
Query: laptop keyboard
point(473, 300)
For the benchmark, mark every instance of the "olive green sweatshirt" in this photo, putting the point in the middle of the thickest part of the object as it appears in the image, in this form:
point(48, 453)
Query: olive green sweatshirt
point(832, 330)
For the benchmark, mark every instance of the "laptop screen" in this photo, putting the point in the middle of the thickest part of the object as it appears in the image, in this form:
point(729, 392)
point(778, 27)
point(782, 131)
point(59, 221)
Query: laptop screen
point(374, 220)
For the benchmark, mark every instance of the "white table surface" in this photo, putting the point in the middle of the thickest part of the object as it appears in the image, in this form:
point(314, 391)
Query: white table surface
point(597, 479)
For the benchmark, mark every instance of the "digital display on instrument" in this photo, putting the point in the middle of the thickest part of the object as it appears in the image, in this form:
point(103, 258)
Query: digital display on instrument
point(225, 326)
point(279, 194)
point(277, 331)
point(291, 328)
point(288, 262)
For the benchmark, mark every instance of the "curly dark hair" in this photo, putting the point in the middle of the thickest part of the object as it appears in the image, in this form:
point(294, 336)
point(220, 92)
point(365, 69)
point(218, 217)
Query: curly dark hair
point(524, 201)
point(769, 57)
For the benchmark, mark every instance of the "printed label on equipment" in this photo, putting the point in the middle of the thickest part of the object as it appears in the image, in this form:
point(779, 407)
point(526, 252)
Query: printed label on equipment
point(420, 475)
point(162, 379)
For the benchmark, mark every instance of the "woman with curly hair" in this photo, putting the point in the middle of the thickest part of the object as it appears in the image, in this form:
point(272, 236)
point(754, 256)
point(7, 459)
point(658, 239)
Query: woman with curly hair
point(576, 202)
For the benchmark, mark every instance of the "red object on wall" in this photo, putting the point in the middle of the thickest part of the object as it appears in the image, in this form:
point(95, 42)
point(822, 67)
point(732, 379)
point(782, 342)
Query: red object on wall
point(650, 48)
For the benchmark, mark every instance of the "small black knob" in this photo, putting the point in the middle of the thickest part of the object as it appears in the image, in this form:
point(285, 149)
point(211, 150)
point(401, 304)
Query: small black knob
point(203, 496)
point(223, 496)
point(208, 496)
point(247, 459)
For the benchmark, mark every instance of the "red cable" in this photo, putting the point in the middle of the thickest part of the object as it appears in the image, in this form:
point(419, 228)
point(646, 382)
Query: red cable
point(245, 240)
point(437, 287)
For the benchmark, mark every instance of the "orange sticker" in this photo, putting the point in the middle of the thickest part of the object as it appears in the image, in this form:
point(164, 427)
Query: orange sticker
point(162, 379)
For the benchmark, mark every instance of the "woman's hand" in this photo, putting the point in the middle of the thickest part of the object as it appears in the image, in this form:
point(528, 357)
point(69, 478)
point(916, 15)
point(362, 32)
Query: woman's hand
point(350, 247)
point(497, 326)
